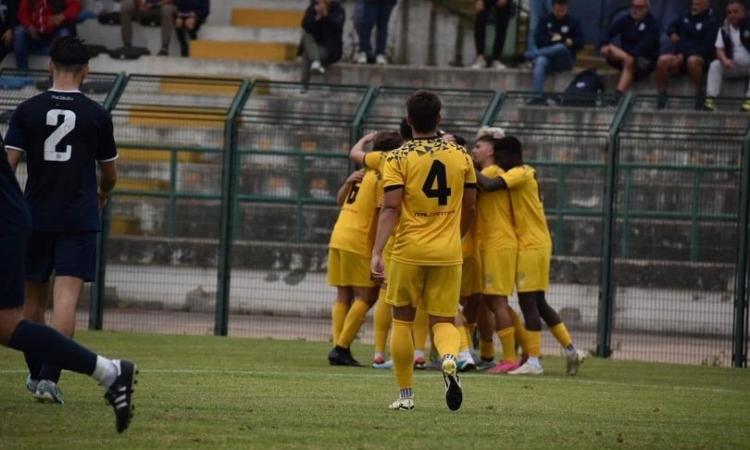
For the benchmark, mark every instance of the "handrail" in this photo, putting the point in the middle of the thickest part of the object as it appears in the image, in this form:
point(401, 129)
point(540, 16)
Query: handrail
point(739, 347)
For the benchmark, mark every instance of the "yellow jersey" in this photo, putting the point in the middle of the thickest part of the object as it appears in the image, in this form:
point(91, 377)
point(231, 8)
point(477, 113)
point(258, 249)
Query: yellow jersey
point(528, 209)
point(494, 216)
point(357, 222)
point(433, 174)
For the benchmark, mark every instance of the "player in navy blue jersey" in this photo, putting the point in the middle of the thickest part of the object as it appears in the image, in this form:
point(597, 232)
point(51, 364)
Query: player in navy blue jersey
point(64, 136)
point(39, 341)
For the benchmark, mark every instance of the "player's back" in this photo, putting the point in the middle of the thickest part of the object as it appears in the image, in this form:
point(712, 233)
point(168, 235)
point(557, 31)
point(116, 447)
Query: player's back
point(528, 208)
point(433, 174)
point(63, 134)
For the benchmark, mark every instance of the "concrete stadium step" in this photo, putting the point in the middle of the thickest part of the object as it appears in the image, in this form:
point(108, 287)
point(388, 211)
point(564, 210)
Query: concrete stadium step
point(243, 51)
point(151, 155)
point(250, 34)
point(162, 116)
point(130, 184)
point(200, 86)
point(124, 226)
point(272, 18)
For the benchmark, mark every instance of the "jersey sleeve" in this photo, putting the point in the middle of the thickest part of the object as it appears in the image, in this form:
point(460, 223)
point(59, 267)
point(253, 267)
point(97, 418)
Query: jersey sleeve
point(517, 176)
point(14, 137)
point(393, 176)
point(373, 160)
point(107, 151)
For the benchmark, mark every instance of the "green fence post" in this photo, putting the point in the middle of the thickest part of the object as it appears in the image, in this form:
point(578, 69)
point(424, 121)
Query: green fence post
point(606, 287)
point(493, 109)
point(228, 192)
point(695, 210)
point(96, 307)
point(739, 350)
point(359, 115)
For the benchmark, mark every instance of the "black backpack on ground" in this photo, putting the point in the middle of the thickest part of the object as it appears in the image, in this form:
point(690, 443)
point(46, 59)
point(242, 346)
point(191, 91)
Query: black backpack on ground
point(584, 90)
point(129, 52)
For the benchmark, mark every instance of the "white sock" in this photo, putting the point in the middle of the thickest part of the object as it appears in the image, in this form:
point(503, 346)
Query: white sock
point(465, 356)
point(105, 371)
point(534, 361)
point(379, 355)
point(418, 354)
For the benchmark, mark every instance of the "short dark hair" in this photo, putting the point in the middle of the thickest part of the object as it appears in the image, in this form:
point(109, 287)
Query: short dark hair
point(510, 145)
point(560, 2)
point(69, 53)
point(387, 140)
point(460, 140)
point(423, 108)
point(404, 129)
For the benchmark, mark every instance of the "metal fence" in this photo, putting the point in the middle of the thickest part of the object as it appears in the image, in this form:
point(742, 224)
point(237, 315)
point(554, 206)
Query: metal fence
point(220, 221)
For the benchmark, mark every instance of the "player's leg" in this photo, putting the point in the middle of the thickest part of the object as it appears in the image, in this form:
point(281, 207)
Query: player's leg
point(344, 294)
point(499, 274)
point(364, 299)
point(381, 324)
point(420, 330)
point(465, 360)
point(45, 344)
point(485, 329)
point(442, 287)
point(528, 280)
point(405, 285)
point(574, 357)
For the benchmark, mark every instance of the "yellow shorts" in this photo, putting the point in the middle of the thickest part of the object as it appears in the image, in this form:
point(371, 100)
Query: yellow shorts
point(499, 268)
point(532, 271)
point(438, 286)
point(471, 276)
point(348, 269)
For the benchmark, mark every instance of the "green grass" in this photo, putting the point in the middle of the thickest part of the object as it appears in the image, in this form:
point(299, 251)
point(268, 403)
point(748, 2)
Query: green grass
point(210, 393)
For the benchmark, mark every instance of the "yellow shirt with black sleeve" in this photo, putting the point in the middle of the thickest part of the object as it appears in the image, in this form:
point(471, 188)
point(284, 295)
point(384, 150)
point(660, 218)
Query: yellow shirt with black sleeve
point(433, 174)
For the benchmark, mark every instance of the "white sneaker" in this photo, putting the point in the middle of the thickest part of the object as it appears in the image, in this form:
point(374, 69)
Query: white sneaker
point(317, 67)
point(402, 404)
point(381, 60)
point(497, 65)
point(574, 361)
point(361, 58)
point(527, 369)
point(479, 63)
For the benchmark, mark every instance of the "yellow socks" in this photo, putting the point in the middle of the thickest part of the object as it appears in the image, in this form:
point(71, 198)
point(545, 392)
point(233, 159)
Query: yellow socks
point(560, 332)
point(520, 335)
point(486, 350)
point(463, 333)
point(447, 338)
point(508, 341)
point(402, 352)
point(353, 322)
point(534, 339)
point(381, 323)
point(421, 328)
point(338, 316)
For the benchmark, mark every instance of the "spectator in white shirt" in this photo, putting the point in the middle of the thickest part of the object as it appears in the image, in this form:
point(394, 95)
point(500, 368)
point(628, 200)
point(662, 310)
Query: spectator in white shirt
point(732, 53)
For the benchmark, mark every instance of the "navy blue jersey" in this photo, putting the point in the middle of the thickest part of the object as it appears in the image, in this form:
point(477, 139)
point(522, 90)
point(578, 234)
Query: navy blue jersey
point(14, 214)
point(63, 134)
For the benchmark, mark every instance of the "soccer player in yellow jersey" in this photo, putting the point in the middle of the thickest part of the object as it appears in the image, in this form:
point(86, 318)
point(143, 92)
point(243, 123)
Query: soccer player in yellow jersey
point(350, 247)
point(498, 249)
point(430, 190)
point(534, 254)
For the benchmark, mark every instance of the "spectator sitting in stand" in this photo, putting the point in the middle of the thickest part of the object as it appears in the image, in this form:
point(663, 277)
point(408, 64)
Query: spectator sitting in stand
point(323, 40)
point(40, 21)
point(732, 53)
point(693, 34)
point(8, 23)
point(154, 11)
point(558, 37)
point(191, 14)
point(638, 51)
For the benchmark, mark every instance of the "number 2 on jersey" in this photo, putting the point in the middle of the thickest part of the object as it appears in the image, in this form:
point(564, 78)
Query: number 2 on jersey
point(441, 191)
point(62, 130)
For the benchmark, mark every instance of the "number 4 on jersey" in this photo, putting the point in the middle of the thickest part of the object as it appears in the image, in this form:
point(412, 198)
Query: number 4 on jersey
point(436, 184)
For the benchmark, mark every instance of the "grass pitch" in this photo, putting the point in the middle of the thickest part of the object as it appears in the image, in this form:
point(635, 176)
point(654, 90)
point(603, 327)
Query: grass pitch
point(229, 393)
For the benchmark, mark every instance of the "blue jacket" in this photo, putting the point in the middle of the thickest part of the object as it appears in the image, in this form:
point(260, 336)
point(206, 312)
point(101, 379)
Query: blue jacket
point(200, 7)
point(697, 34)
point(569, 27)
point(636, 38)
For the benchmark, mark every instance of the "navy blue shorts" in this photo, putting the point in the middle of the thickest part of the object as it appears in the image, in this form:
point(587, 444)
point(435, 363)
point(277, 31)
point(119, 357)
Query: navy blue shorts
point(12, 270)
point(68, 253)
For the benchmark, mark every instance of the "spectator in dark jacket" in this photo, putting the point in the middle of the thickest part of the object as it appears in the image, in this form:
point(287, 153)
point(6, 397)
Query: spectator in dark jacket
point(503, 10)
point(558, 38)
point(153, 11)
point(693, 34)
point(8, 23)
point(40, 21)
point(323, 40)
point(639, 44)
point(191, 14)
